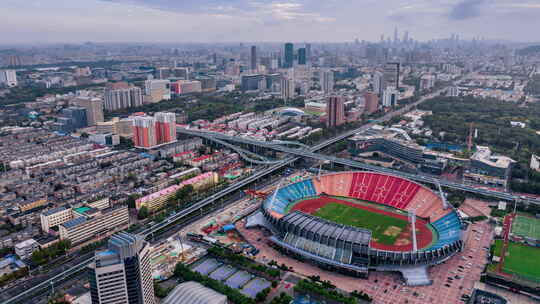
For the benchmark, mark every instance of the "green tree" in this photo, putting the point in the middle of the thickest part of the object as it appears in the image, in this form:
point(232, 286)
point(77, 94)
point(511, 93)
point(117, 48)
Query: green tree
point(143, 213)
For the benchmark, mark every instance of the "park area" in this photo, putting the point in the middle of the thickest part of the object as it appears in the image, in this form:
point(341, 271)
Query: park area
point(526, 226)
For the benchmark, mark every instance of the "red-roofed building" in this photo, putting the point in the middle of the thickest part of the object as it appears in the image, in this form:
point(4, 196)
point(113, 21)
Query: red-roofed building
point(156, 200)
point(184, 156)
point(201, 160)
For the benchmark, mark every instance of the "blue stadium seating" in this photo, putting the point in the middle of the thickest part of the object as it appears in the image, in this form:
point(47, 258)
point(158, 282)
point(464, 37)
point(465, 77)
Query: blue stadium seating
point(288, 194)
point(448, 228)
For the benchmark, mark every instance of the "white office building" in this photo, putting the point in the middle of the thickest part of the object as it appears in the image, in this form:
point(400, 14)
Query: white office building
point(156, 90)
point(327, 81)
point(390, 97)
point(8, 78)
point(122, 274)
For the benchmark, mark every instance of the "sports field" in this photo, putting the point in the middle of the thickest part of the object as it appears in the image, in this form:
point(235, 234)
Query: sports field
point(522, 260)
point(526, 226)
point(385, 229)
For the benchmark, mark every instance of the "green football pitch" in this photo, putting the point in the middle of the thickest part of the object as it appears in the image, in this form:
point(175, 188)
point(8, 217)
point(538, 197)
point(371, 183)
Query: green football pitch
point(522, 260)
point(384, 229)
point(526, 226)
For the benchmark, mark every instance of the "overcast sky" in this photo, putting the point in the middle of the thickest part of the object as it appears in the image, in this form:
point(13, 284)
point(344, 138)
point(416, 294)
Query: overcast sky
point(30, 21)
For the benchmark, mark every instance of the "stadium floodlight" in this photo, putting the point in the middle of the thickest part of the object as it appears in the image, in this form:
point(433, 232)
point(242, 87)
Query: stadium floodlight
point(412, 218)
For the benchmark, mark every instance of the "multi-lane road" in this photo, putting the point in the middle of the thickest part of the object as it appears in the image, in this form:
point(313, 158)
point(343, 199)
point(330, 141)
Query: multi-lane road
point(311, 153)
point(25, 293)
point(295, 154)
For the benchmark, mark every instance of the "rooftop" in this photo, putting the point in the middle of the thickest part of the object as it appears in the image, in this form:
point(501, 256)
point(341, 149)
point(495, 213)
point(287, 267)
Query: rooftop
point(82, 210)
point(55, 210)
point(74, 222)
point(483, 154)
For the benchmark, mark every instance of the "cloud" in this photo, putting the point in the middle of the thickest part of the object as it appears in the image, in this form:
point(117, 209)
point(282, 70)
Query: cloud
point(466, 9)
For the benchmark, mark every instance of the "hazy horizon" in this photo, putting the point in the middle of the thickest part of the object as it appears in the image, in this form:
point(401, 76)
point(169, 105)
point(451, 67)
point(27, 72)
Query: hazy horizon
point(230, 21)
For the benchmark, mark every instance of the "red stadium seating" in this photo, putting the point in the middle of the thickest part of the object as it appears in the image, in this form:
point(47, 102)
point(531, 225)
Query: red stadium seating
point(384, 189)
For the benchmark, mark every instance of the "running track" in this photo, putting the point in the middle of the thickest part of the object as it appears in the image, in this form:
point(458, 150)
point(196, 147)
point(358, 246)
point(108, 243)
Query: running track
point(424, 235)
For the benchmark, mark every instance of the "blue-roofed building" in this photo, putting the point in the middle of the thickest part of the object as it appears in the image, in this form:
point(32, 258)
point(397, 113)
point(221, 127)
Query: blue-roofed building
point(91, 224)
point(122, 273)
point(54, 217)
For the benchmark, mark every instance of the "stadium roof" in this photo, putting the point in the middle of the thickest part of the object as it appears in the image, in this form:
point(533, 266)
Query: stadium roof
point(194, 293)
point(316, 224)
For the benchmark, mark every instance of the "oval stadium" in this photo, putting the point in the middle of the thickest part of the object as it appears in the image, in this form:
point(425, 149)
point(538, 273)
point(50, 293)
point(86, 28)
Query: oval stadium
point(356, 222)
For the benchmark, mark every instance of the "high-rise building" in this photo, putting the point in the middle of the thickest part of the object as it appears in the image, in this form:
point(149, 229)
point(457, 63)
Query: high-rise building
point(302, 56)
point(289, 56)
point(208, 84)
point(253, 82)
point(287, 88)
point(453, 91)
point(273, 82)
point(165, 127)
point(327, 81)
point(378, 82)
point(122, 274)
point(144, 132)
point(94, 109)
point(76, 118)
point(390, 97)
point(253, 59)
point(121, 95)
point(8, 78)
point(163, 73)
point(391, 75)
point(157, 90)
point(152, 131)
point(371, 102)
point(186, 87)
point(335, 111)
point(180, 73)
point(308, 53)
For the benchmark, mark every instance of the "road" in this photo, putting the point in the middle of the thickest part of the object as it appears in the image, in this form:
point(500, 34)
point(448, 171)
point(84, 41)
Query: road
point(310, 152)
point(21, 292)
point(171, 220)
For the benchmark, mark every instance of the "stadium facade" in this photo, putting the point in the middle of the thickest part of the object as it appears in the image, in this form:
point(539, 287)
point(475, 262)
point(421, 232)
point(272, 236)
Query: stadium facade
point(349, 249)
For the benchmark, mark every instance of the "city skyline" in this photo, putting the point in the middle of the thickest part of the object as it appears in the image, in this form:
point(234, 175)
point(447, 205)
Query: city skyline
point(265, 21)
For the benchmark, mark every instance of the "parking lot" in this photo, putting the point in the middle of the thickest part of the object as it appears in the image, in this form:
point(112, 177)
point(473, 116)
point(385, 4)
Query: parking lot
point(451, 279)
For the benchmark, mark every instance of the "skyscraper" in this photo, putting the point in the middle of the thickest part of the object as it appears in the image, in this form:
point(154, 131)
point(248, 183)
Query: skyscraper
point(391, 75)
point(308, 53)
point(144, 132)
point(327, 81)
point(122, 274)
point(390, 97)
point(302, 56)
point(253, 65)
point(94, 109)
point(378, 82)
point(335, 111)
point(287, 88)
point(165, 127)
point(289, 55)
point(152, 131)
point(371, 102)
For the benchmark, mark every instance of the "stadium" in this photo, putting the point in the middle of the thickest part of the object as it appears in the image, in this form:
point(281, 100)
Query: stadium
point(356, 222)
